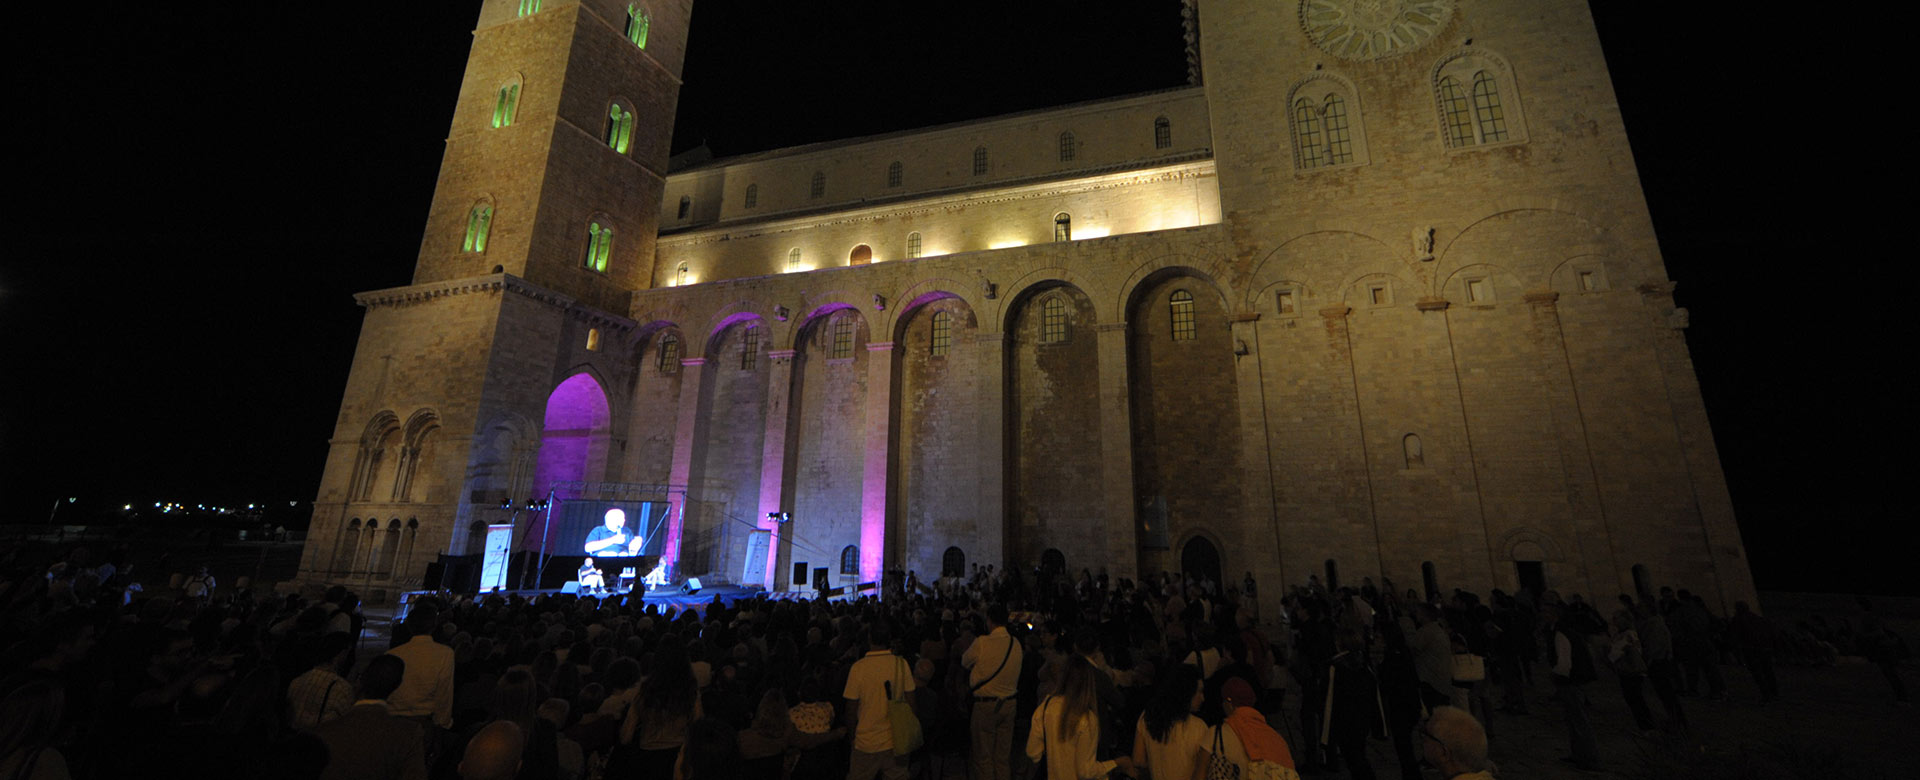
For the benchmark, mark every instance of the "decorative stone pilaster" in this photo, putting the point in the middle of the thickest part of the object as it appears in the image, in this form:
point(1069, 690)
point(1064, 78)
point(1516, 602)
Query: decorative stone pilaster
point(681, 472)
point(874, 490)
point(1116, 452)
point(773, 465)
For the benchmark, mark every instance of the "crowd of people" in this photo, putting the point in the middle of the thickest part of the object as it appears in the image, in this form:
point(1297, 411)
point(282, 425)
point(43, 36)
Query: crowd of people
point(993, 676)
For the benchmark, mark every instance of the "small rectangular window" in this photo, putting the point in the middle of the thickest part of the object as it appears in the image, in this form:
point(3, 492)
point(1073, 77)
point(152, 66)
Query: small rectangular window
point(942, 333)
point(980, 161)
point(1478, 291)
point(753, 196)
point(1283, 301)
point(1588, 281)
point(1162, 133)
point(1377, 295)
point(843, 338)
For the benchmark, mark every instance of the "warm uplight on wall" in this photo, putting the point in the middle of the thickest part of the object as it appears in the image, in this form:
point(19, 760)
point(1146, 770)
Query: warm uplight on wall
point(1006, 244)
point(1083, 233)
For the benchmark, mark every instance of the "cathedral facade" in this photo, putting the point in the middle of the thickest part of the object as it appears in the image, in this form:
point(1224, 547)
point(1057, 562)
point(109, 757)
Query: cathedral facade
point(1377, 294)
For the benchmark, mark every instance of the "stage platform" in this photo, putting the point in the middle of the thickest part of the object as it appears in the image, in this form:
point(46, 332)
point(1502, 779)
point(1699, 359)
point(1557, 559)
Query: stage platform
point(663, 598)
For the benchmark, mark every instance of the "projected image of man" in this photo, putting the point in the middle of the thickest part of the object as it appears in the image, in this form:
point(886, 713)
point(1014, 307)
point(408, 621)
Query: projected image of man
point(613, 539)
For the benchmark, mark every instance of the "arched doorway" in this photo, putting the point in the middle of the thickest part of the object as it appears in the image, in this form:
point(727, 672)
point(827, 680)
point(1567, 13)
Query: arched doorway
point(953, 563)
point(1201, 560)
point(1052, 561)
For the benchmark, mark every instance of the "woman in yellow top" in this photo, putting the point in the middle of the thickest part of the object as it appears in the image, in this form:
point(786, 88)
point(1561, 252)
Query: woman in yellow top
point(1066, 728)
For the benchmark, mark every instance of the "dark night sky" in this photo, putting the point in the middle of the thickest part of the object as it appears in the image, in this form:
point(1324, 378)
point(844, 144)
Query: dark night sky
point(206, 188)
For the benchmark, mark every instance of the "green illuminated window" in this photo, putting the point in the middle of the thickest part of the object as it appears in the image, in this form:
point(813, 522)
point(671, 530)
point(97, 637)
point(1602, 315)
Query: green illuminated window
point(619, 128)
point(506, 104)
point(638, 22)
point(599, 246)
point(479, 221)
point(528, 7)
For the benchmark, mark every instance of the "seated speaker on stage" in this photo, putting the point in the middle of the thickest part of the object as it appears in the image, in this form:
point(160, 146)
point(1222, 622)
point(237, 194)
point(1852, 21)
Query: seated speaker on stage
point(590, 578)
point(613, 539)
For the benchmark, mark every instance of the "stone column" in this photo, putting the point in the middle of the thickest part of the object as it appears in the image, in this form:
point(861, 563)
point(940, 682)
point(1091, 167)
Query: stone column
point(773, 464)
point(686, 425)
point(990, 509)
point(1591, 540)
point(877, 453)
point(1116, 453)
point(1258, 532)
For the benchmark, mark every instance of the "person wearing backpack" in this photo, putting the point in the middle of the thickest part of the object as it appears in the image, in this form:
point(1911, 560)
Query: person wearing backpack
point(994, 665)
point(1572, 670)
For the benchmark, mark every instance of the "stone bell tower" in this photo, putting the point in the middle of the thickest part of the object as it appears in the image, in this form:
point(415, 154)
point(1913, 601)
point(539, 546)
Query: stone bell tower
point(542, 225)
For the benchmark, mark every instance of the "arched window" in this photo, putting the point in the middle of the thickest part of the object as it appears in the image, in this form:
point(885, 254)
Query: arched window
point(819, 187)
point(942, 341)
point(506, 103)
point(1454, 113)
point(843, 337)
point(1306, 133)
point(1066, 146)
point(529, 7)
point(894, 174)
point(479, 222)
point(861, 255)
point(749, 346)
point(619, 127)
point(850, 560)
point(638, 24)
point(1488, 118)
point(599, 246)
point(686, 207)
point(1181, 307)
point(1162, 133)
point(680, 275)
point(953, 563)
point(753, 196)
point(593, 339)
point(1333, 116)
point(669, 353)
point(1325, 123)
point(1410, 446)
point(979, 161)
point(913, 244)
point(1474, 91)
point(1062, 227)
point(793, 259)
point(1053, 320)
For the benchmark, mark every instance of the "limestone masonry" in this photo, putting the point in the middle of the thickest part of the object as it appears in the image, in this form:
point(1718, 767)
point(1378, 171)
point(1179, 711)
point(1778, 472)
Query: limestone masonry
point(1376, 295)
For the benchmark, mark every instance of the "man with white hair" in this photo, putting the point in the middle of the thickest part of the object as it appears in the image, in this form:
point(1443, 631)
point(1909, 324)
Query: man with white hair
point(612, 539)
point(1454, 743)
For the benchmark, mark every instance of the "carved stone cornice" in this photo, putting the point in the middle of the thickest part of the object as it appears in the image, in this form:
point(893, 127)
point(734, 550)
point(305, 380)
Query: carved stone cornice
point(1432, 304)
point(1657, 288)
point(1336, 312)
point(491, 283)
point(1245, 316)
point(1546, 298)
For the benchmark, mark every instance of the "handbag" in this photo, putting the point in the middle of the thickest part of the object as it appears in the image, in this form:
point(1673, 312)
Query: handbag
point(1468, 667)
point(907, 736)
point(1220, 767)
